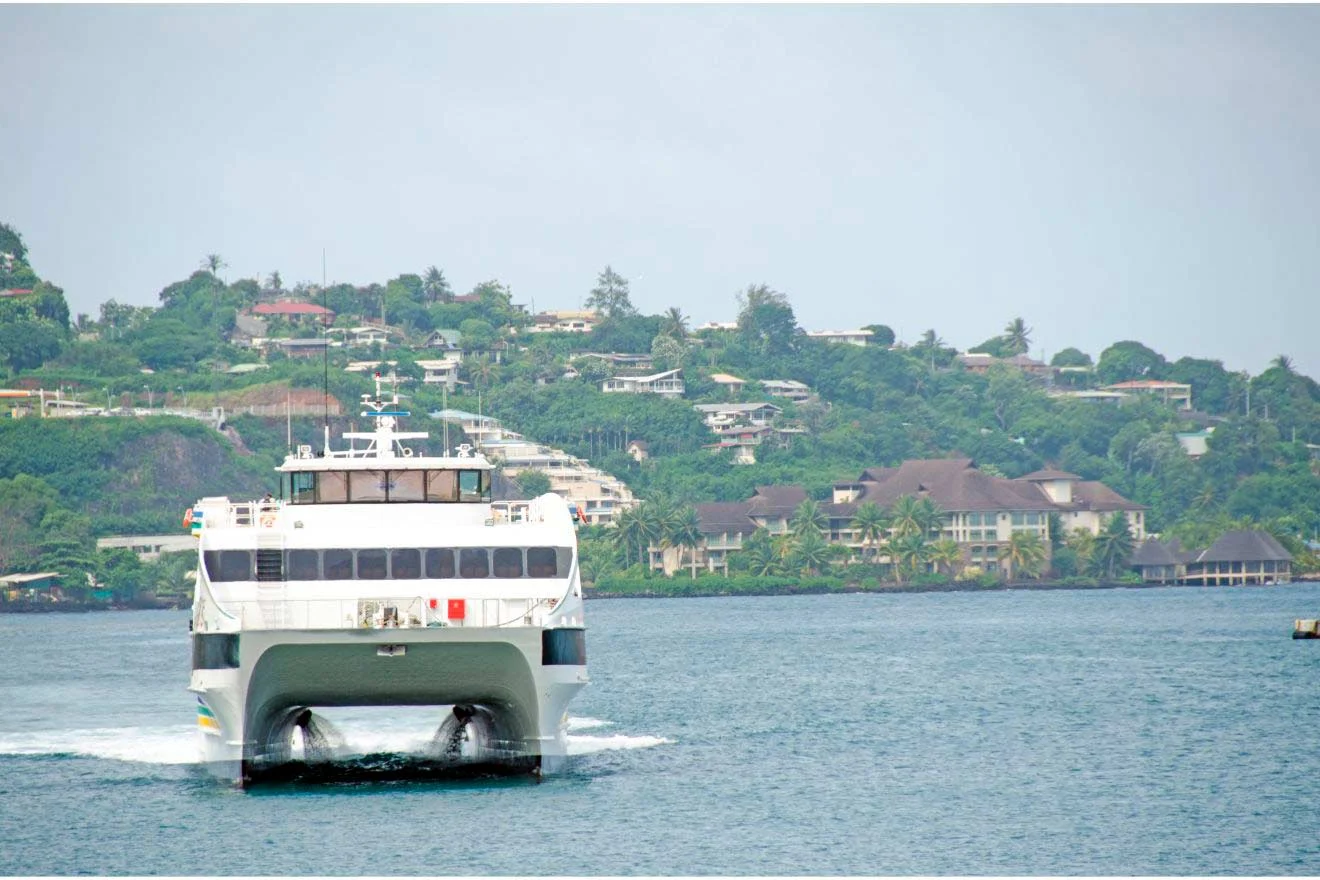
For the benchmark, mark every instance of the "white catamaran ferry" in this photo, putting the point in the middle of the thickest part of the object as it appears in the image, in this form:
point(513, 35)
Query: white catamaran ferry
point(384, 578)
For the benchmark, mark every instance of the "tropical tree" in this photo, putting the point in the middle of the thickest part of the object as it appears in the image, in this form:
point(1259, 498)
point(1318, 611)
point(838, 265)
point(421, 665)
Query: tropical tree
point(213, 263)
point(1024, 554)
point(765, 320)
point(761, 553)
point(630, 533)
point(1017, 336)
point(870, 523)
point(274, 282)
point(685, 533)
point(1082, 543)
point(674, 324)
point(912, 516)
point(945, 554)
point(1283, 362)
point(808, 517)
point(435, 287)
point(811, 552)
point(1113, 546)
point(610, 295)
point(906, 552)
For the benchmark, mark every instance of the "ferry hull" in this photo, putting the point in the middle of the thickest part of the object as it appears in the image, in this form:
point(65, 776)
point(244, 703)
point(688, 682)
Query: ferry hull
point(246, 714)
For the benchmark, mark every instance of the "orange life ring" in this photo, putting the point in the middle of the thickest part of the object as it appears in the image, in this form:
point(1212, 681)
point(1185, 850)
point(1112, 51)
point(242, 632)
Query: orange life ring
point(268, 520)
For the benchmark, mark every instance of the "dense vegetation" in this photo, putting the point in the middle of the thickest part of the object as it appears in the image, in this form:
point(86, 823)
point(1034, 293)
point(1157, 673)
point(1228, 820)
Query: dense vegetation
point(66, 482)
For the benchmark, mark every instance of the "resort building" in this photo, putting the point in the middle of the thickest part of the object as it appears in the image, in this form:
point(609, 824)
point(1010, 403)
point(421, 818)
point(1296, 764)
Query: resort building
point(1242, 556)
point(979, 512)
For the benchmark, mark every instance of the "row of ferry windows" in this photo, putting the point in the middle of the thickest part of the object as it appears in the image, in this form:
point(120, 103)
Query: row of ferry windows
point(403, 563)
point(384, 486)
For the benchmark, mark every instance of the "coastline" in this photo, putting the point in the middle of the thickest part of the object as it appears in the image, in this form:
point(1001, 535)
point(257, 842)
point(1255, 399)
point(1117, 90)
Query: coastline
point(704, 592)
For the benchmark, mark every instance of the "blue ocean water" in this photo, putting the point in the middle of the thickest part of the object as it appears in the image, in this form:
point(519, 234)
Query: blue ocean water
point(1139, 731)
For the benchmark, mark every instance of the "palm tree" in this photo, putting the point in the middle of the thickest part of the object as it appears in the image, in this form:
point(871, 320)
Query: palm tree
point(1017, 336)
point(906, 517)
point(1081, 542)
point(808, 517)
point(870, 523)
point(213, 263)
point(762, 554)
point(929, 516)
point(812, 552)
point(274, 282)
point(435, 287)
point(1283, 362)
point(945, 553)
point(906, 552)
point(685, 532)
point(1113, 546)
point(1024, 554)
point(674, 324)
point(630, 533)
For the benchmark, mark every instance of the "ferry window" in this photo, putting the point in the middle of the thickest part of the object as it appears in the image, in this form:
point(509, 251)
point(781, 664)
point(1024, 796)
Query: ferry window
point(441, 486)
point(338, 565)
point(473, 563)
point(332, 487)
point(366, 486)
point(303, 565)
point(439, 563)
point(407, 486)
point(371, 565)
point(542, 562)
point(228, 565)
point(405, 564)
point(508, 562)
point(301, 489)
point(473, 486)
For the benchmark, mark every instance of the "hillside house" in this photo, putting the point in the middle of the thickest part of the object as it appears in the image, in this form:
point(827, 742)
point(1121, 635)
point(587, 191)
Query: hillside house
point(666, 384)
point(1177, 393)
point(788, 389)
point(842, 337)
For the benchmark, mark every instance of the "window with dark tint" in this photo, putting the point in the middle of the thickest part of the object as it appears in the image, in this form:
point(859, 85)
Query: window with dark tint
point(542, 562)
point(473, 563)
point(302, 489)
point(303, 565)
point(439, 563)
point(405, 564)
point(339, 565)
point(508, 562)
point(473, 486)
point(371, 565)
point(215, 651)
point(228, 565)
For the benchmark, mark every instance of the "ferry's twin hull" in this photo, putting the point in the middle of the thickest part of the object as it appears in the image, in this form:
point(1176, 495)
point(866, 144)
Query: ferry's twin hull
point(520, 678)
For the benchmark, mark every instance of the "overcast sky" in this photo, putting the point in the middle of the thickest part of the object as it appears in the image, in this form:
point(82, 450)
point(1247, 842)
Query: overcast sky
point(1105, 173)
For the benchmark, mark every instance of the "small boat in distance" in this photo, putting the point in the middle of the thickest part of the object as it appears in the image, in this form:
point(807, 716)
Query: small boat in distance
point(384, 578)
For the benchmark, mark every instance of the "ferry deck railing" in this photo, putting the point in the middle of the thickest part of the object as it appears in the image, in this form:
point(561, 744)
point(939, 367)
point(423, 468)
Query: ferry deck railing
point(403, 612)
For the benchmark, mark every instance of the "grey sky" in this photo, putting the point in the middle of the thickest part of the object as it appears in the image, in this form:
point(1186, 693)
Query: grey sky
point(1106, 173)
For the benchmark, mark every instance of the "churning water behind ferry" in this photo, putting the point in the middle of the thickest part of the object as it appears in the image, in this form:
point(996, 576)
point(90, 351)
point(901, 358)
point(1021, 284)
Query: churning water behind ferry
point(1157, 731)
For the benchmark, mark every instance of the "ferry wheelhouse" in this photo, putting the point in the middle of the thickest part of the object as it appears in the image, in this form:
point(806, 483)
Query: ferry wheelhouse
point(384, 578)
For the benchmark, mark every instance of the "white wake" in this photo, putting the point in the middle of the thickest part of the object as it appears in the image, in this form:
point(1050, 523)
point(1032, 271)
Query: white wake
point(178, 744)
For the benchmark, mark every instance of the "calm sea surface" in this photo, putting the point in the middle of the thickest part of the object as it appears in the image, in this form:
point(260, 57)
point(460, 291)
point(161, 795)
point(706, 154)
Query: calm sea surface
point(1169, 731)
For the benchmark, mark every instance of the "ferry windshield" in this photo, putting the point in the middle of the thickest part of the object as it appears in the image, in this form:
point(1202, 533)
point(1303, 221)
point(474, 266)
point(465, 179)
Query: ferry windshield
point(387, 487)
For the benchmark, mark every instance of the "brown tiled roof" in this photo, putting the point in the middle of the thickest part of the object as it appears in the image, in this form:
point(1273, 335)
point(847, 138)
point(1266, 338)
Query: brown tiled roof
point(1049, 474)
point(954, 484)
point(774, 501)
point(1094, 495)
point(720, 517)
point(1245, 545)
point(1155, 552)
